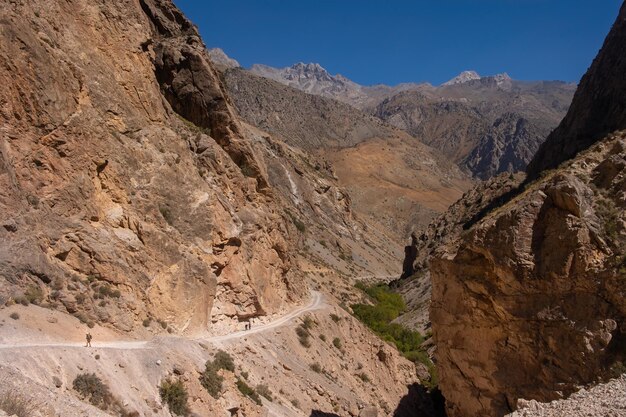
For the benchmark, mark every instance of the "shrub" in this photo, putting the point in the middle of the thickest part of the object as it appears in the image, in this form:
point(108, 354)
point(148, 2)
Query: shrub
point(211, 380)
point(264, 391)
point(378, 317)
point(303, 336)
point(335, 317)
point(316, 367)
point(15, 315)
point(322, 338)
point(337, 343)
point(224, 361)
point(295, 403)
point(308, 322)
point(34, 294)
point(107, 291)
point(174, 394)
point(162, 323)
point(244, 374)
point(91, 388)
point(363, 377)
point(84, 319)
point(80, 298)
point(21, 300)
point(16, 405)
point(167, 214)
point(249, 392)
point(297, 222)
point(146, 322)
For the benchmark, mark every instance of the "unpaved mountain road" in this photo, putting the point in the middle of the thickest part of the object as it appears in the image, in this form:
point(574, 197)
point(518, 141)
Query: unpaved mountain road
point(317, 302)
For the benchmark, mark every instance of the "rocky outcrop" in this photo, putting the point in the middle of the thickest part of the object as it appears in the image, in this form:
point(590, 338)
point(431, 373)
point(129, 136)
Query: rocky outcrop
point(442, 237)
point(599, 106)
point(532, 304)
point(410, 254)
point(192, 87)
point(507, 146)
point(221, 60)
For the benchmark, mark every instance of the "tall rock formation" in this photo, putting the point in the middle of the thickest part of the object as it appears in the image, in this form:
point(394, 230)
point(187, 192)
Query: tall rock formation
point(599, 106)
point(530, 303)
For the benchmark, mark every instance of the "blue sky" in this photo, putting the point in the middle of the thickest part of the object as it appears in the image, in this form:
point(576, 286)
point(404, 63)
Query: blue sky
point(397, 41)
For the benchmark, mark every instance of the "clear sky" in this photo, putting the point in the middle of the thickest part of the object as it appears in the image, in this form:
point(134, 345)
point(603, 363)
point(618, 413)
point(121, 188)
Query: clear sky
point(393, 41)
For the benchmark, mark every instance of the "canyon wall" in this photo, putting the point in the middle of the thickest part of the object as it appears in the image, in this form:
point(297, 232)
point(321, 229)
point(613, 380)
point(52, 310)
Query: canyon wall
point(530, 303)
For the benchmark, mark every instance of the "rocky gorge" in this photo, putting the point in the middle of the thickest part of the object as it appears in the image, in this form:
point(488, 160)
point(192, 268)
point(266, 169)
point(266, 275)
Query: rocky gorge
point(230, 240)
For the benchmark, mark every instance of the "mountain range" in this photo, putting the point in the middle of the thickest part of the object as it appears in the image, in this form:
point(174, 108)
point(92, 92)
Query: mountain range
point(487, 125)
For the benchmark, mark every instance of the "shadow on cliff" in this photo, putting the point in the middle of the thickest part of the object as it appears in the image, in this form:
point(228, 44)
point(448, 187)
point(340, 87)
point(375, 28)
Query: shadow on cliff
point(495, 203)
point(318, 413)
point(419, 402)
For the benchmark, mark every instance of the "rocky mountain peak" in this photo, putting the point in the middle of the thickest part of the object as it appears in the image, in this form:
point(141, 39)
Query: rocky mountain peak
point(220, 59)
point(311, 70)
point(463, 77)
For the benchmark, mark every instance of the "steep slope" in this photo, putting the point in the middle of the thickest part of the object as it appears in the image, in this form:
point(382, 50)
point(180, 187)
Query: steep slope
point(599, 106)
point(307, 121)
point(392, 178)
point(530, 303)
point(108, 191)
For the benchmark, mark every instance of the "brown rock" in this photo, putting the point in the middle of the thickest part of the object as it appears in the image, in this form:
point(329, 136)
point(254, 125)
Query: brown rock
point(529, 304)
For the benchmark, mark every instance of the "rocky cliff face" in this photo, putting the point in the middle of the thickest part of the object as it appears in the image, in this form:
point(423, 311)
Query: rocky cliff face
point(532, 304)
point(116, 207)
point(507, 146)
point(599, 106)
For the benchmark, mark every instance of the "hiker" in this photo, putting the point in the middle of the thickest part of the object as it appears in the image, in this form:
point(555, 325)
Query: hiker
point(88, 337)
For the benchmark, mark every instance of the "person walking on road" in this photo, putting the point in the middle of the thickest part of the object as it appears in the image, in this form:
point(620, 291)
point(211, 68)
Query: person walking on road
point(88, 337)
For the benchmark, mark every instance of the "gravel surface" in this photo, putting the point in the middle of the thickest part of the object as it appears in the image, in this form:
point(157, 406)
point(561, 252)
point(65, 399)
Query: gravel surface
point(603, 400)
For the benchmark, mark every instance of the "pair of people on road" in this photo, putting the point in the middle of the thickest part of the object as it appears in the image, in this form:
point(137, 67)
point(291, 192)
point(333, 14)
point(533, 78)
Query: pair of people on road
point(248, 325)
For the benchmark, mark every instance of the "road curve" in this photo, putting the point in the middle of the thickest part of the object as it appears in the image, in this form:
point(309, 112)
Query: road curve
point(315, 303)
